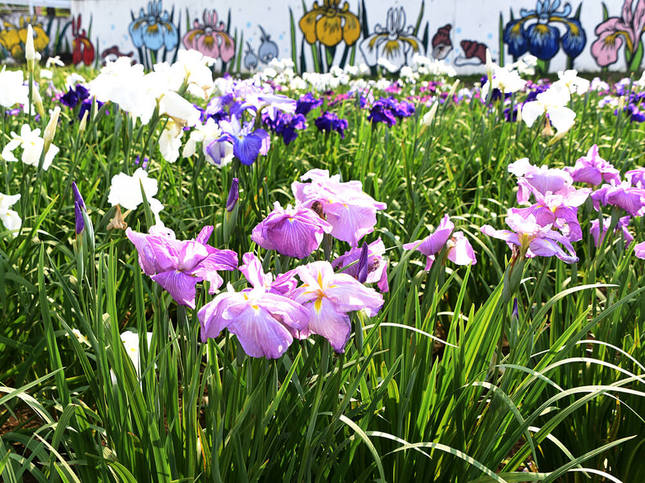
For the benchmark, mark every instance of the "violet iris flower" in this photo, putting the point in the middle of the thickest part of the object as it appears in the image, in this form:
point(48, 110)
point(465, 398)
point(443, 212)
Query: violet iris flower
point(533, 239)
point(295, 232)
point(636, 177)
point(543, 179)
point(622, 195)
point(79, 207)
point(286, 125)
point(388, 110)
point(376, 269)
point(639, 250)
point(74, 96)
point(460, 250)
point(620, 225)
point(329, 297)
point(178, 265)
point(592, 169)
point(557, 210)
point(248, 144)
point(263, 321)
point(329, 121)
point(350, 211)
point(307, 103)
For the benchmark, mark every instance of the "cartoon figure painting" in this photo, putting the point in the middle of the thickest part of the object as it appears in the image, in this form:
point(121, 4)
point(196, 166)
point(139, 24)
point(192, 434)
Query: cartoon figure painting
point(395, 43)
point(267, 51)
point(474, 53)
point(210, 38)
point(544, 30)
point(614, 32)
point(153, 30)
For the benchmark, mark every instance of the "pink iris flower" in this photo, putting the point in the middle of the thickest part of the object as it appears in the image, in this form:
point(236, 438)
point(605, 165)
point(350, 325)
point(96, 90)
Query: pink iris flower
point(349, 263)
point(615, 30)
point(329, 297)
point(460, 250)
point(532, 239)
point(622, 195)
point(178, 265)
point(350, 211)
point(639, 250)
point(295, 232)
point(542, 179)
point(636, 177)
point(264, 321)
point(621, 225)
point(592, 169)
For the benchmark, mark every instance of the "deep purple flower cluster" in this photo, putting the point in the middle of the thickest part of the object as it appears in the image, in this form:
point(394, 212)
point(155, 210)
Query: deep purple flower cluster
point(286, 125)
point(307, 103)
point(387, 110)
point(329, 121)
point(78, 95)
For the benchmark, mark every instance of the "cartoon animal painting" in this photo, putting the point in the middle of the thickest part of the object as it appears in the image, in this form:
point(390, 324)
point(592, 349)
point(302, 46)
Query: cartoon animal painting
point(624, 30)
point(112, 53)
point(267, 51)
point(544, 30)
point(474, 53)
point(210, 37)
point(395, 42)
point(441, 43)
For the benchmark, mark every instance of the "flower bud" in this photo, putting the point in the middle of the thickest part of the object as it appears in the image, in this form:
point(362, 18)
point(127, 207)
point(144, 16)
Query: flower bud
point(233, 195)
point(83, 123)
point(30, 51)
point(50, 130)
point(428, 117)
point(363, 263)
point(38, 101)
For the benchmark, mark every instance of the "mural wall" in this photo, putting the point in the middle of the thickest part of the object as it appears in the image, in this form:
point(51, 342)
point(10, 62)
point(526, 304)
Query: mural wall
point(319, 34)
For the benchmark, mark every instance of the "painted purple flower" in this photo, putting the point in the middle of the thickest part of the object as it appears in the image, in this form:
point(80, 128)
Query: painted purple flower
point(178, 265)
point(350, 211)
point(592, 169)
point(622, 225)
point(295, 232)
point(307, 103)
point(639, 250)
point(248, 144)
point(329, 297)
point(79, 207)
point(636, 177)
point(329, 121)
point(622, 195)
point(233, 195)
point(543, 179)
point(459, 249)
point(375, 266)
point(533, 239)
point(264, 322)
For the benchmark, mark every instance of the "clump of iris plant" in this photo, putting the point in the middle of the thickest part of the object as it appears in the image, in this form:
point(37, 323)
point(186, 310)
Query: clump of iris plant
point(329, 121)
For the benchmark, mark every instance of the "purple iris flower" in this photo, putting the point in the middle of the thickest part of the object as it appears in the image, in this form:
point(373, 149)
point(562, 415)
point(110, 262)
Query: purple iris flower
point(329, 121)
point(307, 103)
point(622, 225)
point(639, 250)
point(542, 179)
point(532, 239)
point(286, 125)
point(375, 267)
point(233, 195)
point(295, 232)
point(557, 210)
point(592, 169)
point(636, 177)
point(248, 144)
point(329, 297)
point(79, 207)
point(387, 110)
point(350, 211)
point(460, 251)
point(178, 265)
point(264, 322)
point(622, 195)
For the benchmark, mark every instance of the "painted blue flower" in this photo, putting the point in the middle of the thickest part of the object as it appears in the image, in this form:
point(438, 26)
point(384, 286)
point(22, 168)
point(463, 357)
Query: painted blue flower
point(539, 31)
point(154, 29)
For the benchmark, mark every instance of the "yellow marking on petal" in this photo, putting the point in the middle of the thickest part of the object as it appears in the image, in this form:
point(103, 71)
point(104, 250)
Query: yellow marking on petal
point(320, 280)
point(318, 305)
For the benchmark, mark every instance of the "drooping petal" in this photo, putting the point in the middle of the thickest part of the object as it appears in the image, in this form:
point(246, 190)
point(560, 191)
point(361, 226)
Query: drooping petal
point(260, 334)
point(461, 251)
point(179, 285)
point(326, 321)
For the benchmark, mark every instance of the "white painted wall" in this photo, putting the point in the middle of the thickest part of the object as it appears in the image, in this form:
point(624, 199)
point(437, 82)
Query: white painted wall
point(473, 20)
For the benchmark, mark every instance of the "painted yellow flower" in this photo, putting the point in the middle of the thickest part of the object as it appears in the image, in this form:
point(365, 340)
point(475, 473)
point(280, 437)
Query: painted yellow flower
point(330, 24)
point(13, 37)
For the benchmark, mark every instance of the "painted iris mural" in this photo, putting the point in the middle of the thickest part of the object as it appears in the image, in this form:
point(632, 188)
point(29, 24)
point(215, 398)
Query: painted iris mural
point(615, 32)
point(153, 30)
point(211, 38)
point(544, 30)
point(330, 24)
point(394, 43)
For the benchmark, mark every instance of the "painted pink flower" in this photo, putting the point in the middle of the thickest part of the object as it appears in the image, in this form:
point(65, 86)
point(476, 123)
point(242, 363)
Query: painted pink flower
point(615, 30)
point(210, 38)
